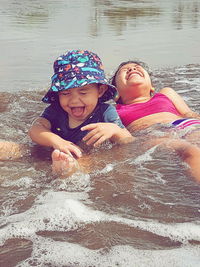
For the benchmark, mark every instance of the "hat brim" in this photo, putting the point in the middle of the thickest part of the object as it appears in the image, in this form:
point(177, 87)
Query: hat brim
point(52, 96)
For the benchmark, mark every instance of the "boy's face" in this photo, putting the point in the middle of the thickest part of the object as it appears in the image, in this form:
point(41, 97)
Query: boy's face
point(80, 102)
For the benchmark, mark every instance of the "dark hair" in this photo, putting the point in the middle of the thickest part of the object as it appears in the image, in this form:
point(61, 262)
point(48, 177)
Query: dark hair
point(138, 62)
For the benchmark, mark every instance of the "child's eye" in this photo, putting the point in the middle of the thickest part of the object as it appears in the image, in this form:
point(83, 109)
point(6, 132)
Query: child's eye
point(65, 93)
point(83, 93)
point(124, 69)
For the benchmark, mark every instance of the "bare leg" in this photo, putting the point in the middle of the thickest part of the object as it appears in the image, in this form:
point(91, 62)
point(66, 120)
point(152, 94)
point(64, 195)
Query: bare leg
point(63, 164)
point(189, 153)
point(11, 150)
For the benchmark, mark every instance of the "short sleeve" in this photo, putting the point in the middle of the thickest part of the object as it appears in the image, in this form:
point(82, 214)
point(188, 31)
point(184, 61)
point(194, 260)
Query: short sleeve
point(49, 113)
point(111, 115)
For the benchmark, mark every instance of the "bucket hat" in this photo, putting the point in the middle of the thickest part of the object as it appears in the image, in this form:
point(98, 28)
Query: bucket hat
point(77, 68)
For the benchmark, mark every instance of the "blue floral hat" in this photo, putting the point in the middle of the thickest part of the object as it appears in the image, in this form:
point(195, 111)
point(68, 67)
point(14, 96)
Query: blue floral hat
point(77, 68)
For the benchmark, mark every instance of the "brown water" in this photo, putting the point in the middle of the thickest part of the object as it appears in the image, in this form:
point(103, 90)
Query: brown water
point(135, 208)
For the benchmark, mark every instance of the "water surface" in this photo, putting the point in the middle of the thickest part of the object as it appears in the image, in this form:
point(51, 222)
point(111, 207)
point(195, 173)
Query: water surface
point(34, 33)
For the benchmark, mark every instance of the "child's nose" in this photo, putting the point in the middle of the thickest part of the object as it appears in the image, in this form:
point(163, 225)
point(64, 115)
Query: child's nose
point(74, 98)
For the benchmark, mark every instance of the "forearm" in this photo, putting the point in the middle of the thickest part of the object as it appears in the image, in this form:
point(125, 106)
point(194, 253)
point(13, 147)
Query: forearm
point(123, 136)
point(43, 136)
point(192, 114)
point(41, 133)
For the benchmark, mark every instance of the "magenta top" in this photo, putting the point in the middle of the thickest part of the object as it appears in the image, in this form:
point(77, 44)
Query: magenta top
point(158, 103)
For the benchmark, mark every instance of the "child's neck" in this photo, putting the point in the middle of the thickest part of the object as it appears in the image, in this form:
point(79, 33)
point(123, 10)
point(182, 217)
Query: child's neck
point(74, 123)
point(140, 99)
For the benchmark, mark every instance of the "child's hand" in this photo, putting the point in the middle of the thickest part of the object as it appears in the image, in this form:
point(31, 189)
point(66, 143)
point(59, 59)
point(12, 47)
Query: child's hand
point(99, 132)
point(68, 148)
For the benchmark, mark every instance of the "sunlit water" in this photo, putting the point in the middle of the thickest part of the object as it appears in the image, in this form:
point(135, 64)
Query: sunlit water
point(134, 208)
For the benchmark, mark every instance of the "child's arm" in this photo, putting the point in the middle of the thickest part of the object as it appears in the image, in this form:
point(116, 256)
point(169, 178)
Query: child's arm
point(40, 132)
point(112, 128)
point(100, 132)
point(179, 103)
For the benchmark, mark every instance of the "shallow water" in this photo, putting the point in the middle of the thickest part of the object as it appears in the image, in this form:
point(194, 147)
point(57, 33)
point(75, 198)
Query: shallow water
point(134, 208)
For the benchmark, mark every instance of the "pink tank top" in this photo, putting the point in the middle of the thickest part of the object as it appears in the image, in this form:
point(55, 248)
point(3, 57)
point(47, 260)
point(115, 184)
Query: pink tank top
point(158, 103)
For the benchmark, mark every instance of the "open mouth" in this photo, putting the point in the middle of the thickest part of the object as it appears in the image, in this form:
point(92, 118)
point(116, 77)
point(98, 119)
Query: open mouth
point(77, 111)
point(134, 73)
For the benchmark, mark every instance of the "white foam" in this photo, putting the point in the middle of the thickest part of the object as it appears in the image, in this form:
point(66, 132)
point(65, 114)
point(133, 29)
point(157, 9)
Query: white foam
point(62, 211)
point(76, 182)
point(24, 182)
point(107, 168)
point(147, 156)
point(46, 251)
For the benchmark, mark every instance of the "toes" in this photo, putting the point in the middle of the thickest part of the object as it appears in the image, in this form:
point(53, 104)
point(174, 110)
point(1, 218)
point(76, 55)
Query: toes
point(64, 156)
point(55, 154)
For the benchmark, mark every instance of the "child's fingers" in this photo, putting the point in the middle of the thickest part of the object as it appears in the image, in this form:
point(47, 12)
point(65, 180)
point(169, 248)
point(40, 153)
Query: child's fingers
point(97, 134)
point(100, 141)
point(90, 134)
point(74, 150)
point(94, 139)
point(89, 127)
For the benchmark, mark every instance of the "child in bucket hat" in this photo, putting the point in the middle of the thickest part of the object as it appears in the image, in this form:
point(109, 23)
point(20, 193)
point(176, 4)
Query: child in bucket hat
point(77, 68)
point(77, 111)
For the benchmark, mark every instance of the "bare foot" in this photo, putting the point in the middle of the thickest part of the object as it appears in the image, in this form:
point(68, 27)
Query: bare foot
point(63, 164)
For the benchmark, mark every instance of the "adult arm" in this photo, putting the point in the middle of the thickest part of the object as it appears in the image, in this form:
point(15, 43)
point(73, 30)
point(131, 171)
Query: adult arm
point(40, 132)
point(179, 103)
